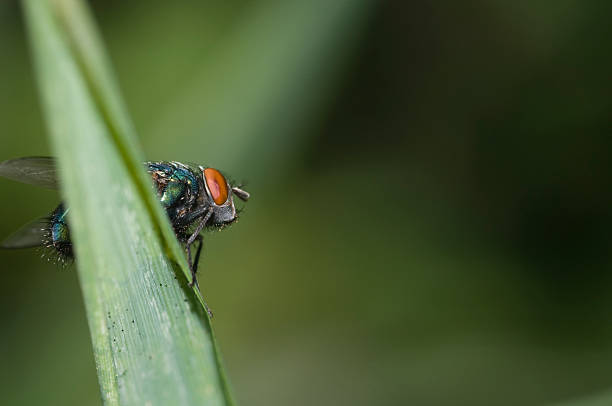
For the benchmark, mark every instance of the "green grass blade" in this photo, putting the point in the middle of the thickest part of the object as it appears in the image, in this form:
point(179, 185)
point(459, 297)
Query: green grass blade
point(89, 53)
point(152, 340)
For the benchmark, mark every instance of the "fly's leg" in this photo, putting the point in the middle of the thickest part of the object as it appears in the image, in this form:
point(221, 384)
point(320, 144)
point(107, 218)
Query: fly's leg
point(196, 260)
point(193, 265)
point(187, 219)
point(190, 241)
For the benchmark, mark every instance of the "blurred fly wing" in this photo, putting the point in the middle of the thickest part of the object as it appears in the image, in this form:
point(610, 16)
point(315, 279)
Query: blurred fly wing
point(30, 235)
point(35, 170)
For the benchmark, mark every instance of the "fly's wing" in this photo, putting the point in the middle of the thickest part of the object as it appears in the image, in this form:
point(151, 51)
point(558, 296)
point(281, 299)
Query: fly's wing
point(30, 235)
point(35, 170)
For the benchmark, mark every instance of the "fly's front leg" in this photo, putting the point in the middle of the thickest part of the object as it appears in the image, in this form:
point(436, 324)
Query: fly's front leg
point(193, 265)
point(196, 260)
point(192, 238)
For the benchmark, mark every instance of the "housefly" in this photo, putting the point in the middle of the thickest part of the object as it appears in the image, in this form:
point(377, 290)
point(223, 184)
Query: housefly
point(193, 196)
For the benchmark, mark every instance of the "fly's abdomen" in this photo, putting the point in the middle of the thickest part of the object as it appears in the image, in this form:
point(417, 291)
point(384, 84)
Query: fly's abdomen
point(59, 233)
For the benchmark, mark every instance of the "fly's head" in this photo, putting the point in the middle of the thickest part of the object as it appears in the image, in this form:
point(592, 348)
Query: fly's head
point(220, 196)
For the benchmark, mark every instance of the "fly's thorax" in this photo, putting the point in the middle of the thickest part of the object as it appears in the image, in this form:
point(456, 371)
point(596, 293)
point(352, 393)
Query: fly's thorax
point(176, 183)
point(219, 196)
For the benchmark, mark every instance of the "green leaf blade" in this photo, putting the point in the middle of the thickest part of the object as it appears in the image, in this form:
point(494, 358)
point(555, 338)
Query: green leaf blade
point(152, 340)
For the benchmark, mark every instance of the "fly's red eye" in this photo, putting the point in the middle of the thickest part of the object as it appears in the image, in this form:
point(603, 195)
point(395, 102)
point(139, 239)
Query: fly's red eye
point(216, 185)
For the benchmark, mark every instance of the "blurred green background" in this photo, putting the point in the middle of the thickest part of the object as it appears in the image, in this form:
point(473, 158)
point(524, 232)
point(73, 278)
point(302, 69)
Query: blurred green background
point(430, 215)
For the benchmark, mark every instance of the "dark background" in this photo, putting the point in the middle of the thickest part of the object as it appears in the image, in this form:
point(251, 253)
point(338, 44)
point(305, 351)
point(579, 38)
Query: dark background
point(430, 216)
